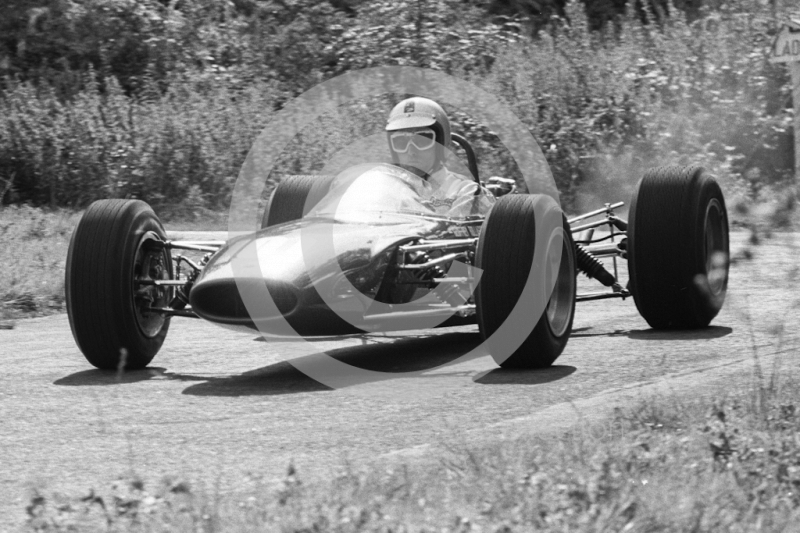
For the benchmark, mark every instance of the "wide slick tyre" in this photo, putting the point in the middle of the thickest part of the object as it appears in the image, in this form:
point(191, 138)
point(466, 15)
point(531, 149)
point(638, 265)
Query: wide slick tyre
point(678, 247)
point(294, 197)
point(525, 298)
point(114, 251)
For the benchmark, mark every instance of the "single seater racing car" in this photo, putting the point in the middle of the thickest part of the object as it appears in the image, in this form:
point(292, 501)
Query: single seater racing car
point(395, 264)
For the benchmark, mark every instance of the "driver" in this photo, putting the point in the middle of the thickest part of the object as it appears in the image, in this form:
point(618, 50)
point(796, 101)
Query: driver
point(418, 131)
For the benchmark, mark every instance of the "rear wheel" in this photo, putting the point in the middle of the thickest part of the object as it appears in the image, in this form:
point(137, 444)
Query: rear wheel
point(507, 257)
point(294, 197)
point(114, 252)
point(678, 249)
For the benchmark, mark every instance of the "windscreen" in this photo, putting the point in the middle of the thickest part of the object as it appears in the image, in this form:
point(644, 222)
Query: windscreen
point(383, 188)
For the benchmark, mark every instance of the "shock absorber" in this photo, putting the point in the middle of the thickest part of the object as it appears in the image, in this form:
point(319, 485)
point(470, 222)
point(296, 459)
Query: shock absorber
point(589, 265)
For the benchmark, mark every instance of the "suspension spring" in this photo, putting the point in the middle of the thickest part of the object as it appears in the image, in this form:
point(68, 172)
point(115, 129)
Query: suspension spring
point(589, 265)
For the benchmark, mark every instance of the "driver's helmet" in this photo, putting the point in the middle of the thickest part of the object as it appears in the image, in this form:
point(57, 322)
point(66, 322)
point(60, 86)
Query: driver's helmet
point(418, 112)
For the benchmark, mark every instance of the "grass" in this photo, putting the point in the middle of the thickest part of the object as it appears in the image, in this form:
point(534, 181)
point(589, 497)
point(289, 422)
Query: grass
point(727, 462)
point(34, 244)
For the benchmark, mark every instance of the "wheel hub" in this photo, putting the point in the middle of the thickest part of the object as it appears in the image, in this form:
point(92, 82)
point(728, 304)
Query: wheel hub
point(559, 306)
point(150, 264)
point(715, 247)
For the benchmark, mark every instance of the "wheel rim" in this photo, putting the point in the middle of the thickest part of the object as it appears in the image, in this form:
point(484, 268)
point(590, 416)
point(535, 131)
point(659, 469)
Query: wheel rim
point(715, 247)
point(559, 307)
point(150, 263)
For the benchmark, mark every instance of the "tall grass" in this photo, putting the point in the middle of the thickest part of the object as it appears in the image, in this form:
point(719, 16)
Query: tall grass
point(34, 244)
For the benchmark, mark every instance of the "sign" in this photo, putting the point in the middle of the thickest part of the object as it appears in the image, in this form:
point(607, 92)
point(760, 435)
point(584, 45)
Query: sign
point(786, 47)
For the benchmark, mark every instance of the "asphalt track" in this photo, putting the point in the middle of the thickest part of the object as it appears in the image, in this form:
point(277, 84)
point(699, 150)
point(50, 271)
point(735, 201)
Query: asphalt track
point(219, 408)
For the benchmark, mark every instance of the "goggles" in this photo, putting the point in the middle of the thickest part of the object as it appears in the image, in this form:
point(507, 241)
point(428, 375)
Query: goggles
point(402, 140)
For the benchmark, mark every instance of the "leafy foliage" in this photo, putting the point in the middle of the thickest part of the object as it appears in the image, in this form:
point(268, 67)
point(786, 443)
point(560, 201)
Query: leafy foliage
point(185, 144)
point(161, 100)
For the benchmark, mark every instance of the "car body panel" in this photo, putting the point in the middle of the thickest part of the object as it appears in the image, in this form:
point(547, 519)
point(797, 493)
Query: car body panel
point(344, 250)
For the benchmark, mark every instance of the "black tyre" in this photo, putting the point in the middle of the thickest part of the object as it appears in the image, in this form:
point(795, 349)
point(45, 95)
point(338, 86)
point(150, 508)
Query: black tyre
point(678, 250)
point(294, 197)
point(114, 246)
point(507, 256)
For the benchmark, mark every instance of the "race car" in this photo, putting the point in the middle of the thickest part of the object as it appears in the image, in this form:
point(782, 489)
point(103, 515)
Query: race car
point(327, 263)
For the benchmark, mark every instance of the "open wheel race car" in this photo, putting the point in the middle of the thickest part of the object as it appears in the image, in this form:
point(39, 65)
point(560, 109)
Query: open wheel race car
point(125, 280)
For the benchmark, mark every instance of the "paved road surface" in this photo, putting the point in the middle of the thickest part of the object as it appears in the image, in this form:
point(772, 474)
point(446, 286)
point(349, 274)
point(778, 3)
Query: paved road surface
point(217, 405)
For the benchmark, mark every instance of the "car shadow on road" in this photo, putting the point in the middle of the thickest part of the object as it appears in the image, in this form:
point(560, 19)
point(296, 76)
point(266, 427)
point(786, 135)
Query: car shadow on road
point(710, 332)
point(507, 376)
point(386, 356)
point(280, 378)
point(272, 380)
point(412, 354)
point(380, 354)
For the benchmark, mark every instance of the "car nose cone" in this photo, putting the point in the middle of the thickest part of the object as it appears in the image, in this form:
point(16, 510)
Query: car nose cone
point(217, 294)
point(220, 300)
point(239, 273)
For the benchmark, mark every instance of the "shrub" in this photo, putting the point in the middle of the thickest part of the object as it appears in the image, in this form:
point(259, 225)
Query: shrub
point(603, 105)
point(106, 144)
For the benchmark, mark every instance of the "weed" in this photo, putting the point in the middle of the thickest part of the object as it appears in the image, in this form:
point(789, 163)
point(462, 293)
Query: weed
point(35, 246)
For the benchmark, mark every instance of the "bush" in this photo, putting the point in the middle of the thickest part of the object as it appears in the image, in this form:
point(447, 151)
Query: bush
point(640, 95)
point(604, 105)
point(106, 144)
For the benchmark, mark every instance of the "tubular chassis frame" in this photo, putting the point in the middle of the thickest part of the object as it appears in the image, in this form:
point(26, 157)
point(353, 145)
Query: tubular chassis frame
point(458, 249)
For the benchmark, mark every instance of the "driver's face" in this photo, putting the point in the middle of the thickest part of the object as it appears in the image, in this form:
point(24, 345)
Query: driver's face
point(414, 157)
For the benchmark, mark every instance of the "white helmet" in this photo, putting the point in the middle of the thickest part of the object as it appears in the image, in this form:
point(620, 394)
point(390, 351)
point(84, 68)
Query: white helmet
point(418, 112)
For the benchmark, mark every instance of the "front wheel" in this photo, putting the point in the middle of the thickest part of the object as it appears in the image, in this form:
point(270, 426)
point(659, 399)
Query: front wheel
point(115, 254)
point(526, 258)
